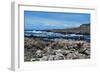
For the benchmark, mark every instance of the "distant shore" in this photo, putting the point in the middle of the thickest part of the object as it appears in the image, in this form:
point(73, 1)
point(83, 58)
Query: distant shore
point(82, 29)
point(37, 49)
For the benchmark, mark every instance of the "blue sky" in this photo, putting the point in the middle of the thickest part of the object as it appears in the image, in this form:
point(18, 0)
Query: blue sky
point(38, 20)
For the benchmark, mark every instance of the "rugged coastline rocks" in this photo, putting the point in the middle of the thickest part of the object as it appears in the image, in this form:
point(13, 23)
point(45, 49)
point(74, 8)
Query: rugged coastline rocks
point(36, 49)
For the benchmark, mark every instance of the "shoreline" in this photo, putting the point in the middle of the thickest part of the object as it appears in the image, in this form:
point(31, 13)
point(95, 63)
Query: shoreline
point(36, 49)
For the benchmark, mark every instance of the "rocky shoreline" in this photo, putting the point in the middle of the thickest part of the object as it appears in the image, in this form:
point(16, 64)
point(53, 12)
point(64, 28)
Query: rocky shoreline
point(37, 49)
point(82, 29)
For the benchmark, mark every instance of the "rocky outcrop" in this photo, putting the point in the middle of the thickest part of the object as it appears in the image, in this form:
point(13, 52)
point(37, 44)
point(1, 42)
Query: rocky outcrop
point(36, 49)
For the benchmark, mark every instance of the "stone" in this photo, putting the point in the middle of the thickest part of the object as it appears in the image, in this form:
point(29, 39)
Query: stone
point(51, 57)
point(44, 58)
point(39, 53)
point(37, 49)
point(59, 56)
point(81, 56)
point(69, 56)
point(87, 52)
point(34, 59)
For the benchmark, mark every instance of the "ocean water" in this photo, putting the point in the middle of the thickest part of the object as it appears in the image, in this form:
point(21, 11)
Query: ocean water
point(52, 35)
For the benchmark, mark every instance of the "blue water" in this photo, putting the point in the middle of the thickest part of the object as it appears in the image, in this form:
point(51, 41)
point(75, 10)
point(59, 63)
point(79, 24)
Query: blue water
point(52, 35)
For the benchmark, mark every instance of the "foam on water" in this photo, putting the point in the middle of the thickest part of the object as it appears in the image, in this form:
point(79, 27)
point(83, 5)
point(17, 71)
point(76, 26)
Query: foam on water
point(52, 35)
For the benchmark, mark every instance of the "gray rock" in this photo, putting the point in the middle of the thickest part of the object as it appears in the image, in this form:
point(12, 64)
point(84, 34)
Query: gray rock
point(49, 51)
point(39, 53)
point(51, 57)
point(59, 56)
point(34, 59)
point(44, 58)
point(71, 56)
point(58, 51)
point(81, 56)
point(87, 52)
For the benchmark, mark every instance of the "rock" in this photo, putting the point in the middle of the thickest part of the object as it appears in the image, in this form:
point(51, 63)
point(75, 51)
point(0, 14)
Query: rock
point(39, 53)
point(58, 51)
point(51, 57)
point(28, 43)
point(27, 56)
point(82, 50)
point(66, 52)
point(48, 50)
point(34, 59)
point(44, 58)
point(62, 51)
point(37, 49)
point(32, 50)
point(75, 55)
point(59, 56)
point(81, 56)
point(71, 56)
point(87, 51)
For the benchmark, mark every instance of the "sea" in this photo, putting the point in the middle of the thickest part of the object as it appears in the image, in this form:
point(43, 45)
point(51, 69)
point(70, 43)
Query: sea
point(53, 35)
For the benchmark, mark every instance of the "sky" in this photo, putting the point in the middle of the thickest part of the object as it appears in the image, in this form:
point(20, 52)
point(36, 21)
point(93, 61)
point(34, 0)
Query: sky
point(38, 20)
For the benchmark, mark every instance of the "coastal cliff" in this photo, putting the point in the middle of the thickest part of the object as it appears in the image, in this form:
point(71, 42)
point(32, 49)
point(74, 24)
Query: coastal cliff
point(82, 29)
